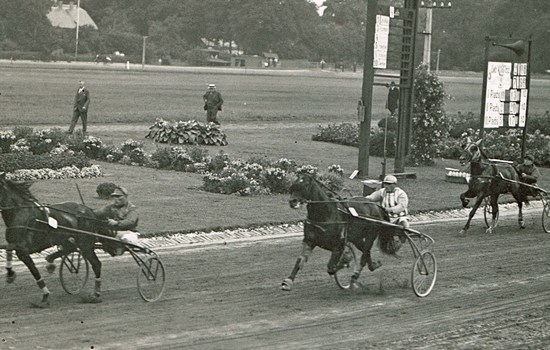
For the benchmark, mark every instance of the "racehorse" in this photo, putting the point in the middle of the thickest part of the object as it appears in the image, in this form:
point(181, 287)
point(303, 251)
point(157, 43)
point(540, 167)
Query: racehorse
point(488, 179)
point(330, 224)
point(26, 236)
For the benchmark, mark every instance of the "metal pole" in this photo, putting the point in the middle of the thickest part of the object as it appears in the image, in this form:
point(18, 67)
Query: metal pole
point(366, 93)
point(528, 87)
point(484, 87)
point(437, 64)
point(428, 39)
point(143, 52)
point(77, 29)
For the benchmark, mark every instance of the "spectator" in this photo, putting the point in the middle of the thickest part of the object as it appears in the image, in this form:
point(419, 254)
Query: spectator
point(213, 102)
point(393, 98)
point(80, 107)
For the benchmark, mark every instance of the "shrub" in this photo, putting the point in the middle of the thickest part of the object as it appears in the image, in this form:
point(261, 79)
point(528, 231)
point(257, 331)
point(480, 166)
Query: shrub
point(540, 123)
point(164, 157)
point(7, 138)
point(429, 122)
point(343, 134)
point(189, 132)
point(43, 141)
point(105, 189)
point(13, 161)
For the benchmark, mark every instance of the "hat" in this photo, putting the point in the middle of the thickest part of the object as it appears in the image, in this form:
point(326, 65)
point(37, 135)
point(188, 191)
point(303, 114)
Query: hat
point(119, 191)
point(389, 179)
point(211, 85)
point(531, 157)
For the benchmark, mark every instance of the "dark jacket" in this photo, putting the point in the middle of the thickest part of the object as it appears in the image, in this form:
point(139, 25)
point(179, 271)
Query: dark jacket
point(82, 100)
point(213, 99)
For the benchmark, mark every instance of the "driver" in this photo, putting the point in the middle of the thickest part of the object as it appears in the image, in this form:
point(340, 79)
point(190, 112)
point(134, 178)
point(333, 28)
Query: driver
point(121, 216)
point(394, 200)
point(529, 174)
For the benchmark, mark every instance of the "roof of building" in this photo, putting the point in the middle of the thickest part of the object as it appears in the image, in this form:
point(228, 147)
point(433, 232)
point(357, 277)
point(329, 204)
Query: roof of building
point(67, 16)
point(271, 55)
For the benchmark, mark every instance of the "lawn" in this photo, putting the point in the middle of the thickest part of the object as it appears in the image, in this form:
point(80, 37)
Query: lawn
point(282, 111)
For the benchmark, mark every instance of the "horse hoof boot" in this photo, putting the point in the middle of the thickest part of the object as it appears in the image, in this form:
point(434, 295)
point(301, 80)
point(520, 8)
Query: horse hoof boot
point(522, 224)
point(10, 276)
point(287, 284)
point(374, 265)
point(50, 268)
point(92, 298)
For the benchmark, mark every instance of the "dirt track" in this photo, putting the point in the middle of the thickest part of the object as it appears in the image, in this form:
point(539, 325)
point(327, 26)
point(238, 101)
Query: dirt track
point(492, 293)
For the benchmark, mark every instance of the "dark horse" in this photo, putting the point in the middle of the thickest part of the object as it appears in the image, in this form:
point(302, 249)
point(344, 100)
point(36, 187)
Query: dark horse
point(26, 236)
point(329, 224)
point(488, 178)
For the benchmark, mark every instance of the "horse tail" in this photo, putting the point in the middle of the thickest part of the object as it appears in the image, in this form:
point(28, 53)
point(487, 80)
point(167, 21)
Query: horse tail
point(386, 242)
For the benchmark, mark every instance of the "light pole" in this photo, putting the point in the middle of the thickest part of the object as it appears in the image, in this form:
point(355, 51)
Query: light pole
point(77, 28)
point(429, 5)
point(143, 52)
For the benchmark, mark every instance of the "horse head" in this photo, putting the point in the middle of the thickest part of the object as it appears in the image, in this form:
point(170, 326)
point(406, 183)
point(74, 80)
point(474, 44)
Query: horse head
point(471, 152)
point(301, 190)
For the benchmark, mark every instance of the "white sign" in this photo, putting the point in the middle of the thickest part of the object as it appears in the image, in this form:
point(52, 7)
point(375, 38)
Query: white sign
point(499, 79)
point(381, 40)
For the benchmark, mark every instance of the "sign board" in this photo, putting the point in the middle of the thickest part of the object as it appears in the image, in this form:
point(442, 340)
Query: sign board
point(506, 95)
point(381, 40)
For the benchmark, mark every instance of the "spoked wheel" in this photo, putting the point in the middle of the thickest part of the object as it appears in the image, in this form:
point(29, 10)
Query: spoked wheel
point(424, 273)
point(346, 266)
point(488, 212)
point(73, 272)
point(151, 279)
point(546, 216)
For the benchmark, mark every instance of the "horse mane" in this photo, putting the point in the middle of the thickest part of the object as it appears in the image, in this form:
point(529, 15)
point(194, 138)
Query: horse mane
point(22, 189)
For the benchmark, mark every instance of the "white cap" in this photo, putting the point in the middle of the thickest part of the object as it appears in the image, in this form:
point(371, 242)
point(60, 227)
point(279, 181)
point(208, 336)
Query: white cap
point(211, 85)
point(389, 179)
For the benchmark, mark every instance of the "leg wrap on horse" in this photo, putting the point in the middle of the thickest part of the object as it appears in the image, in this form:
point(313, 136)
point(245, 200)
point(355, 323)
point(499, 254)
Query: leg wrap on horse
point(97, 287)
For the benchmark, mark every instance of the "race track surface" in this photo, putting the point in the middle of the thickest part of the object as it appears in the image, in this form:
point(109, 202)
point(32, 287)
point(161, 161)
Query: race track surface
point(492, 292)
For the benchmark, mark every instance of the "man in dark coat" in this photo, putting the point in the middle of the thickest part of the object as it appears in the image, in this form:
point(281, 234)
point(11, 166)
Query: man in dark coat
point(393, 98)
point(212, 104)
point(80, 107)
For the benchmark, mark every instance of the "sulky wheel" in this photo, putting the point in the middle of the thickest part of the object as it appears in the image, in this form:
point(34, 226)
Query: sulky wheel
point(73, 272)
point(346, 267)
point(546, 216)
point(424, 273)
point(488, 212)
point(151, 279)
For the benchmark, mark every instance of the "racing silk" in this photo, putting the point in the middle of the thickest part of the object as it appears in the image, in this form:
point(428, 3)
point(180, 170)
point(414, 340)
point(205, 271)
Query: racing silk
point(126, 216)
point(395, 202)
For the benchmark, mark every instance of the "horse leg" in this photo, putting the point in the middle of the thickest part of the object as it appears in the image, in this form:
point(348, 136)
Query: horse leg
point(89, 254)
point(335, 256)
point(521, 222)
point(302, 259)
point(465, 201)
point(50, 267)
point(23, 255)
point(478, 202)
point(366, 259)
point(10, 275)
point(494, 207)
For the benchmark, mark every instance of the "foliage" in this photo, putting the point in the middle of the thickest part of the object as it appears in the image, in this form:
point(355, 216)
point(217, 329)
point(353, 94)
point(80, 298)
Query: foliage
point(105, 189)
point(189, 132)
point(429, 122)
point(10, 162)
point(67, 172)
point(541, 123)
point(343, 134)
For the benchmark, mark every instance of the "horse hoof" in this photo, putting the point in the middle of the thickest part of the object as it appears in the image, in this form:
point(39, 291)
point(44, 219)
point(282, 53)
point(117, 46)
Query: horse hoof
point(462, 232)
point(522, 224)
point(287, 284)
point(10, 277)
point(41, 305)
point(91, 298)
point(355, 285)
point(374, 266)
point(489, 230)
point(50, 268)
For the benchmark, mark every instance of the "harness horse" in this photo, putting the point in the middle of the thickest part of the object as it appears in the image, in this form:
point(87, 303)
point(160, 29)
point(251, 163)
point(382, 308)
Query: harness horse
point(25, 235)
point(32, 228)
point(489, 179)
point(333, 224)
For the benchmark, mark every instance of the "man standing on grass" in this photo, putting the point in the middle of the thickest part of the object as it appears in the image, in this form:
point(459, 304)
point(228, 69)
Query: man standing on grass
point(80, 107)
point(212, 104)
